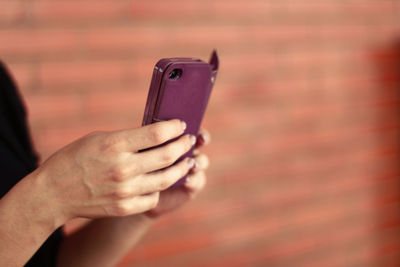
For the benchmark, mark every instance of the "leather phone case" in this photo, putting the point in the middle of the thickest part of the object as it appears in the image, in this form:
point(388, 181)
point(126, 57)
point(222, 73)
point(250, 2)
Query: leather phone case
point(184, 97)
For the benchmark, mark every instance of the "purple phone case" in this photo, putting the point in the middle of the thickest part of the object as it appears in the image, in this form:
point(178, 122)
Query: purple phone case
point(185, 98)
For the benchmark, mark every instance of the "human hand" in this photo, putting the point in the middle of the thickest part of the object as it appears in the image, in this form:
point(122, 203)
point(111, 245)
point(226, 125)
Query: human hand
point(173, 198)
point(102, 175)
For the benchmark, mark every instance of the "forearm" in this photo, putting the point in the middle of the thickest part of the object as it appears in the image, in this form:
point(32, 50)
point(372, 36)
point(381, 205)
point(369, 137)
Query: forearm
point(26, 220)
point(103, 242)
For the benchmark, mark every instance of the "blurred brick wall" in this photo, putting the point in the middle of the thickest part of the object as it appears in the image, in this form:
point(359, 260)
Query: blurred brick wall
point(304, 117)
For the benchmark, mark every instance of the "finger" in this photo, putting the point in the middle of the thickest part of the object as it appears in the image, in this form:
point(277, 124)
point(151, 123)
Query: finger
point(195, 183)
point(160, 180)
point(135, 205)
point(203, 138)
point(149, 135)
point(202, 162)
point(164, 156)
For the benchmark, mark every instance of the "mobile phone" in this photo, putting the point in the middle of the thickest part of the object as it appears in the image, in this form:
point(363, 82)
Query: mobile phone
point(180, 89)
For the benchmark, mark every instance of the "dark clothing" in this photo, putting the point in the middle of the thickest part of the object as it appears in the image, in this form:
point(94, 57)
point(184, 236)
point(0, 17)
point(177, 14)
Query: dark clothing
point(17, 157)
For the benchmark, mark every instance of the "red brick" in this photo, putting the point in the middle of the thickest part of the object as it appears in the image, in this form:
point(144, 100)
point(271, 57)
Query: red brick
point(71, 11)
point(81, 72)
point(27, 43)
point(11, 12)
point(117, 103)
point(166, 10)
point(41, 107)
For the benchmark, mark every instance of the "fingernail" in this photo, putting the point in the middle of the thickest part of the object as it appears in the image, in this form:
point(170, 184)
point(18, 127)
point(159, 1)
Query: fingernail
point(192, 139)
point(191, 162)
point(183, 125)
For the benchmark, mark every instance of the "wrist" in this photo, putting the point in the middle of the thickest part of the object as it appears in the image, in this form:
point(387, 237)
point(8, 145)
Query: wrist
point(26, 221)
point(43, 208)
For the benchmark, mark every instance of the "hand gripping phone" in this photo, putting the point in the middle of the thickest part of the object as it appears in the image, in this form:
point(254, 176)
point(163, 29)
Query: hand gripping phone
point(180, 89)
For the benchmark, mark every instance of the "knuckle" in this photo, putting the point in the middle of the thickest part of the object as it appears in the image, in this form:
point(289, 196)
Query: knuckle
point(127, 162)
point(121, 193)
point(163, 184)
point(121, 209)
point(157, 133)
point(134, 170)
point(93, 137)
point(118, 173)
point(109, 143)
point(167, 158)
point(169, 154)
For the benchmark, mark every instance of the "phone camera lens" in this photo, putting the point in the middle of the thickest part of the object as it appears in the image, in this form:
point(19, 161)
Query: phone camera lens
point(175, 74)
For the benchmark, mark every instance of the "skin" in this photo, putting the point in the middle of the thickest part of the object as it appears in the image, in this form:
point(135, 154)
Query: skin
point(104, 177)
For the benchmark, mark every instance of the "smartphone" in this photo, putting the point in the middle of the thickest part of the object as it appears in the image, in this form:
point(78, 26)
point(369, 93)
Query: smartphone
point(180, 89)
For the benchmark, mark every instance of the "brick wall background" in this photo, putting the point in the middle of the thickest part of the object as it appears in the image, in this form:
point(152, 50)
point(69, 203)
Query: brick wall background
point(304, 117)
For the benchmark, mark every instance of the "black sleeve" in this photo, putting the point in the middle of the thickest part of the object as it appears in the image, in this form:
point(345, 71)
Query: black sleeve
point(18, 159)
point(46, 256)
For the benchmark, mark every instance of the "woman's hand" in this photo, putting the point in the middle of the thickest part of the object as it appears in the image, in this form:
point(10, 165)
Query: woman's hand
point(86, 247)
point(102, 174)
point(173, 198)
